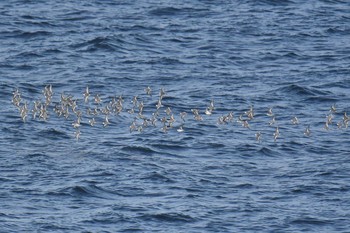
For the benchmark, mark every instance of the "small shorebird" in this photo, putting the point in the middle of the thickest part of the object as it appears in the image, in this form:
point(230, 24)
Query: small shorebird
point(92, 121)
point(245, 124)
point(240, 118)
point(145, 123)
point(168, 111)
point(226, 119)
point(97, 99)
point(195, 111)
point(180, 129)
point(273, 121)
point(106, 121)
point(333, 109)
point(165, 128)
point(141, 105)
point(48, 94)
point(250, 113)
point(134, 100)
point(76, 124)
point(161, 93)
point(221, 120)
point(35, 109)
point(133, 126)
point(183, 115)
point(330, 118)
point(16, 99)
point(43, 112)
point(307, 131)
point(295, 120)
point(86, 94)
point(326, 126)
point(208, 111)
point(258, 136)
point(346, 119)
point(148, 91)
point(159, 104)
point(24, 111)
point(269, 112)
point(196, 115)
point(171, 120)
point(276, 134)
point(77, 134)
point(229, 117)
point(210, 108)
point(131, 111)
point(339, 124)
point(154, 119)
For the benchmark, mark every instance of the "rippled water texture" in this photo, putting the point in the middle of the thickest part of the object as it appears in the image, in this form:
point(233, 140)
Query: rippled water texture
point(291, 56)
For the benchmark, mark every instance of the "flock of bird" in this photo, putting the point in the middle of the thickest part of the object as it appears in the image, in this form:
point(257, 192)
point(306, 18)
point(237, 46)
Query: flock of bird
point(67, 107)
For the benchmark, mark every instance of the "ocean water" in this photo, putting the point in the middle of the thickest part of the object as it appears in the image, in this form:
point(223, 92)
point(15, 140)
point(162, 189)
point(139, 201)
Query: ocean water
point(292, 56)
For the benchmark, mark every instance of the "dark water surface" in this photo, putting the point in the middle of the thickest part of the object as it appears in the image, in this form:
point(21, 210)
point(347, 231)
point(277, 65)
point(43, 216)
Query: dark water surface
point(292, 56)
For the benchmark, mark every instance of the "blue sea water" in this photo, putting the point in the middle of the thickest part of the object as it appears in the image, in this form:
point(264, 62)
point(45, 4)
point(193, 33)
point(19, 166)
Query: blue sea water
point(292, 56)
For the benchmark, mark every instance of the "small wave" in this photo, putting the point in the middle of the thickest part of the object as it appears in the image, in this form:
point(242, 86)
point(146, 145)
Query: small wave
point(293, 55)
point(169, 217)
point(138, 149)
point(54, 227)
point(36, 17)
point(4, 179)
point(165, 11)
point(298, 90)
point(28, 55)
point(341, 84)
point(107, 43)
point(326, 98)
point(77, 15)
point(156, 176)
point(84, 190)
point(36, 20)
point(244, 186)
point(131, 192)
point(22, 67)
point(183, 11)
point(344, 189)
point(167, 146)
point(310, 221)
point(164, 61)
point(4, 215)
point(273, 2)
point(338, 30)
point(36, 154)
point(78, 18)
point(215, 145)
point(52, 133)
point(27, 34)
point(53, 51)
point(266, 151)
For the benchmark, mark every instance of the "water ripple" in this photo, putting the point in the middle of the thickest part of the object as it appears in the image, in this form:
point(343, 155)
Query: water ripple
point(291, 56)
